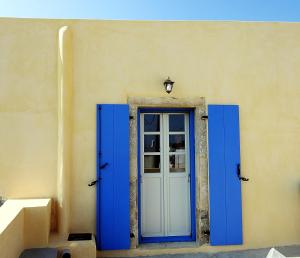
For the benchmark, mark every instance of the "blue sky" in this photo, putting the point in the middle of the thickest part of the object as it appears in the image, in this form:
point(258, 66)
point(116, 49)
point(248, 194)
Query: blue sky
point(245, 10)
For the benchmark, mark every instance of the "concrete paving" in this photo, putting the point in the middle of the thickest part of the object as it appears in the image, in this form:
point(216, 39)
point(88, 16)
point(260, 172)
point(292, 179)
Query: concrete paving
point(289, 251)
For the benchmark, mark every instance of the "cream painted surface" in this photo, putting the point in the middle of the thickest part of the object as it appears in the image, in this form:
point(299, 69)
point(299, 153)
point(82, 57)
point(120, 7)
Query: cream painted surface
point(23, 224)
point(255, 65)
point(11, 230)
point(12, 239)
point(28, 109)
point(64, 159)
point(37, 225)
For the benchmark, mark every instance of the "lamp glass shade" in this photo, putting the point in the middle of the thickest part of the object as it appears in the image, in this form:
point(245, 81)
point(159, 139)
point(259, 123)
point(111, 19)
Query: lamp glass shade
point(169, 88)
point(168, 85)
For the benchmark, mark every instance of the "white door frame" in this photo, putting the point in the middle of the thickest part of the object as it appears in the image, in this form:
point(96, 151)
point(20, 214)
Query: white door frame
point(161, 182)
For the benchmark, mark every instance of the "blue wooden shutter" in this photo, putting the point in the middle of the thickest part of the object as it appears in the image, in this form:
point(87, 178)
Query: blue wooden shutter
point(113, 222)
point(224, 183)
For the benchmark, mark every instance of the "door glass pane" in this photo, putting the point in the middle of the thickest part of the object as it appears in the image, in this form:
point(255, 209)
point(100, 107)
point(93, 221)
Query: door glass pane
point(151, 123)
point(151, 143)
point(176, 142)
point(151, 164)
point(176, 123)
point(177, 163)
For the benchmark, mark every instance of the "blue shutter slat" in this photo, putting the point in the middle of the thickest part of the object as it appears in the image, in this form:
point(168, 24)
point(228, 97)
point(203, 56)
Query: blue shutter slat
point(216, 176)
point(224, 185)
point(113, 220)
point(233, 185)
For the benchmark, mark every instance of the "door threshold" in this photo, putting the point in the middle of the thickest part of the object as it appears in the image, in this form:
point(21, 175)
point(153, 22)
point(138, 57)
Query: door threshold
point(146, 246)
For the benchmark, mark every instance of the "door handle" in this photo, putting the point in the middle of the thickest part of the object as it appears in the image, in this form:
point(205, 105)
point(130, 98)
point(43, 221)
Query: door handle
point(241, 178)
point(95, 181)
point(103, 166)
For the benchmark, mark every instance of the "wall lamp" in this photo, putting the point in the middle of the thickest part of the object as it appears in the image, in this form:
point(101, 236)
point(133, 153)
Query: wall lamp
point(168, 85)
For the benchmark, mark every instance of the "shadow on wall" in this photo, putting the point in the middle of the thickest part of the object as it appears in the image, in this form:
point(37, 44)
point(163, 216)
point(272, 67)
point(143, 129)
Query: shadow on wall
point(1, 201)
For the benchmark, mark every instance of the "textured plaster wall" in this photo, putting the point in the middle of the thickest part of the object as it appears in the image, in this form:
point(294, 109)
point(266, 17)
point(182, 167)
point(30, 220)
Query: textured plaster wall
point(65, 114)
point(28, 109)
point(255, 65)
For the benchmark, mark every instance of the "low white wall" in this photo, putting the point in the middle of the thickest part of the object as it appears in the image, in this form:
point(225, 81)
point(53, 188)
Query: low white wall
point(23, 224)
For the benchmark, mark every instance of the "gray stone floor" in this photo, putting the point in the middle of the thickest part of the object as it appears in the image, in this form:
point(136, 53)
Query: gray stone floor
point(289, 251)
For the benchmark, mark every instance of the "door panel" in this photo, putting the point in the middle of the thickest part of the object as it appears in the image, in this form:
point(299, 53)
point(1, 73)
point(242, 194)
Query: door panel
point(165, 173)
point(153, 212)
point(179, 218)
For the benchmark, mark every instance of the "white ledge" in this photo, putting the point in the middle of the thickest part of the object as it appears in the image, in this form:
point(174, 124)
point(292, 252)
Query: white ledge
point(11, 208)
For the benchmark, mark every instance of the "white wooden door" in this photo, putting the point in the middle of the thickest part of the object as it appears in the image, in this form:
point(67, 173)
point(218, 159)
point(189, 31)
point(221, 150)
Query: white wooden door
point(165, 175)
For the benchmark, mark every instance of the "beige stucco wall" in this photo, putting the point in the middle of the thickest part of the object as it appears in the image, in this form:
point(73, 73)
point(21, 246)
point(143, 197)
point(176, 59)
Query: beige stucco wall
point(65, 133)
point(254, 65)
point(28, 109)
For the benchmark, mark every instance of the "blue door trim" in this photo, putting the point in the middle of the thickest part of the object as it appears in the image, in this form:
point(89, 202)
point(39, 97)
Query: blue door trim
point(192, 237)
point(98, 189)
